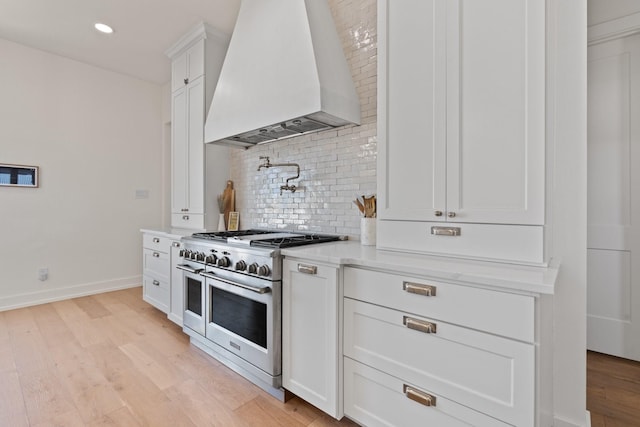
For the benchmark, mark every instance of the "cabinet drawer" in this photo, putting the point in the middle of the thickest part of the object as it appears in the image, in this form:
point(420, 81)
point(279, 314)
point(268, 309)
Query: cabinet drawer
point(157, 243)
point(156, 263)
point(478, 370)
point(500, 313)
point(156, 292)
point(374, 398)
point(187, 220)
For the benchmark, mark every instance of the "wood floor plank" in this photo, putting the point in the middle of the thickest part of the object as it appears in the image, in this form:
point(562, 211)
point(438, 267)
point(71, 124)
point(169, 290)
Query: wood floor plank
point(53, 329)
point(92, 307)
point(91, 393)
point(12, 409)
point(86, 332)
point(118, 418)
point(45, 399)
point(153, 367)
point(613, 390)
point(202, 407)
point(29, 349)
point(230, 388)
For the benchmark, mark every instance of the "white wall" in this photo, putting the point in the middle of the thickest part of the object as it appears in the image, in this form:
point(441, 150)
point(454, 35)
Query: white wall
point(567, 133)
point(605, 10)
point(97, 137)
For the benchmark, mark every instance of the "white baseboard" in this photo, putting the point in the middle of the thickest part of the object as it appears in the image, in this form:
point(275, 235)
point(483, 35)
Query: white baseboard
point(51, 295)
point(562, 423)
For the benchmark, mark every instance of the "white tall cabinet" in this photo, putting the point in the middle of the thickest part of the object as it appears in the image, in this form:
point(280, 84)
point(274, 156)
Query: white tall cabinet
point(461, 137)
point(198, 171)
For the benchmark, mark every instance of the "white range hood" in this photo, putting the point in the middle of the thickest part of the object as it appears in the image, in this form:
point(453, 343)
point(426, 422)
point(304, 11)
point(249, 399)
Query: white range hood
point(284, 74)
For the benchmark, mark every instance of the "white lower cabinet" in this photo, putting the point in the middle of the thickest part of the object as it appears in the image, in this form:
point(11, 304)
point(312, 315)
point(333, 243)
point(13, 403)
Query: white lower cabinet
point(311, 334)
point(161, 280)
point(424, 352)
point(373, 398)
point(156, 271)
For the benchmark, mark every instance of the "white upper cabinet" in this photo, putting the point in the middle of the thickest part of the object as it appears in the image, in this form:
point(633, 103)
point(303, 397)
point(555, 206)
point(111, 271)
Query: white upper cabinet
point(198, 171)
point(188, 66)
point(461, 120)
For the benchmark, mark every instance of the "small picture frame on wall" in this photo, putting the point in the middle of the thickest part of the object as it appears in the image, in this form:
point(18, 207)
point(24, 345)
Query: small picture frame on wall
point(234, 221)
point(19, 176)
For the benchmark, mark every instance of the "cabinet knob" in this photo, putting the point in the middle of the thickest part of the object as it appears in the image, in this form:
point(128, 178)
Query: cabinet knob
point(451, 214)
point(185, 217)
point(176, 244)
point(186, 81)
point(155, 282)
point(156, 240)
point(438, 213)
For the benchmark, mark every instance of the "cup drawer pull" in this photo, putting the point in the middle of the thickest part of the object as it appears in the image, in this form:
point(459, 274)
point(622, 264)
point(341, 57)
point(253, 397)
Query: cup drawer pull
point(446, 231)
point(419, 325)
point(307, 269)
point(419, 396)
point(417, 288)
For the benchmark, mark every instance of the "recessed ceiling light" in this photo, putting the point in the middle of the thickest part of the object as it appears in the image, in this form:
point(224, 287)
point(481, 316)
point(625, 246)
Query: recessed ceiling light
point(103, 28)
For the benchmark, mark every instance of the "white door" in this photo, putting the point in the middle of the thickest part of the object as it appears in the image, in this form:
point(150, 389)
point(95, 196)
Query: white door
point(613, 290)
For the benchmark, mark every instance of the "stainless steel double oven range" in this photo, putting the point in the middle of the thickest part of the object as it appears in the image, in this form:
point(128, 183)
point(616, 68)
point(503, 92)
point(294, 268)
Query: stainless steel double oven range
point(233, 298)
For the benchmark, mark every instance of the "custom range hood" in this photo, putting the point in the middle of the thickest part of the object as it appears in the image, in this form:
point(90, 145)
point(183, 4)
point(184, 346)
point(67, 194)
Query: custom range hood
point(285, 74)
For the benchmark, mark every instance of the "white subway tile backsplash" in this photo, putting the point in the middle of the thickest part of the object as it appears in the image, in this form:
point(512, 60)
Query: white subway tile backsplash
point(336, 165)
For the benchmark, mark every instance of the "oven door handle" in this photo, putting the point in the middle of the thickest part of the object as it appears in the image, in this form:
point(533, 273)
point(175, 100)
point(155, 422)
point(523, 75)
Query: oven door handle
point(188, 268)
point(256, 289)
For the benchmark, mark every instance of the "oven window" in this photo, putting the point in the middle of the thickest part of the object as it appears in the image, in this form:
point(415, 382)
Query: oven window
point(239, 315)
point(194, 296)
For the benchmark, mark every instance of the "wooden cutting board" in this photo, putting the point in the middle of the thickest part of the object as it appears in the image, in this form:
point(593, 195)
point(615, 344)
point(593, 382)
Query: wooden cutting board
point(228, 201)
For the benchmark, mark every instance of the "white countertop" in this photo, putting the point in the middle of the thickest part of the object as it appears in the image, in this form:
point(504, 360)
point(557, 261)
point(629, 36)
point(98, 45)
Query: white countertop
point(509, 277)
point(172, 233)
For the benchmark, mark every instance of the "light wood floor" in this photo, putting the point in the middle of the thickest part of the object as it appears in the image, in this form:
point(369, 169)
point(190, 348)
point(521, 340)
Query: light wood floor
point(613, 391)
point(113, 360)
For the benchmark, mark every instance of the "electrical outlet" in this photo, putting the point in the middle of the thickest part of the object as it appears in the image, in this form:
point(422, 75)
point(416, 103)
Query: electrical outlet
point(43, 274)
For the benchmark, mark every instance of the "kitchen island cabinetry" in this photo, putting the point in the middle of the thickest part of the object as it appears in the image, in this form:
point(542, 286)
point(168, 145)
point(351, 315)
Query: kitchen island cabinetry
point(461, 118)
point(311, 333)
point(198, 171)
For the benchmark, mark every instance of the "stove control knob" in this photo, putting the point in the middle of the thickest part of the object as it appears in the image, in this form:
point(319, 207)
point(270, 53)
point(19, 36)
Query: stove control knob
point(241, 265)
point(264, 270)
point(210, 259)
point(253, 268)
point(200, 256)
point(194, 255)
point(187, 254)
point(182, 252)
point(224, 262)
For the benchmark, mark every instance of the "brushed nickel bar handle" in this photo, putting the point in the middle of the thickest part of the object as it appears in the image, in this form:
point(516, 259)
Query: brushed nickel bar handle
point(307, 269)
point(419, 289)
point(446, 231)
point(419, 325)
point(188, 268)
point(419, 396)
